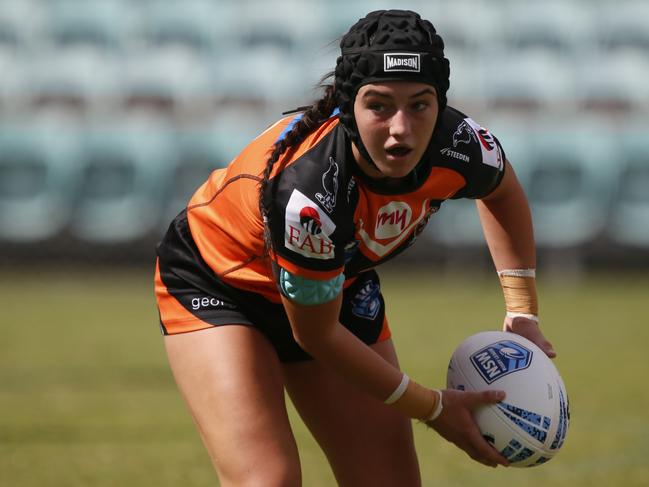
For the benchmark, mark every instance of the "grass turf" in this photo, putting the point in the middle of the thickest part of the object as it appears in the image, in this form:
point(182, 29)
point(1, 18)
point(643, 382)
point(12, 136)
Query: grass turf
point(86, 397)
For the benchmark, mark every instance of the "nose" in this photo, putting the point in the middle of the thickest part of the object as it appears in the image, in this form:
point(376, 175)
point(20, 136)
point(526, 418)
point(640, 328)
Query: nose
point(400, 124)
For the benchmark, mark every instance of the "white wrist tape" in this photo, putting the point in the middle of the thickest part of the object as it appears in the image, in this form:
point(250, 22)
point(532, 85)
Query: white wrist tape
point(399, 391)
point(439, 406)
point(518, 272)
point(511, 314)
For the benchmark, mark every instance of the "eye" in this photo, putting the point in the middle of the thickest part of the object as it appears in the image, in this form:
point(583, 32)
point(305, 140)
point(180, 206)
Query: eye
point(376, 107)
point(420, 106)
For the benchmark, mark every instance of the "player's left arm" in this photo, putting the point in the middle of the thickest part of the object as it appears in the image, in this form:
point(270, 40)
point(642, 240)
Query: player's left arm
point(507, 224)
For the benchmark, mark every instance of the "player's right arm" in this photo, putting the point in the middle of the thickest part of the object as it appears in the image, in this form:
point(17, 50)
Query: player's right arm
point(318, 332)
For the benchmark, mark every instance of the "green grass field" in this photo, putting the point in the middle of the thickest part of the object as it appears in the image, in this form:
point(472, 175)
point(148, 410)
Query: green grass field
point(86, 397)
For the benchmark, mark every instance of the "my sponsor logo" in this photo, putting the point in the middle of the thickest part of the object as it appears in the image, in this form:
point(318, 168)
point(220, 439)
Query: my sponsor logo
point(307, 228)
point(382, 250)
point(330, 186)
point(447, 151)
point(392, 219)
point(401, 61)
point(500, 359)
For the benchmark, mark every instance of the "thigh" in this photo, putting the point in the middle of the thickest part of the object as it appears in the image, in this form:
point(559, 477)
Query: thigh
point(366, 441)
point(231, 380)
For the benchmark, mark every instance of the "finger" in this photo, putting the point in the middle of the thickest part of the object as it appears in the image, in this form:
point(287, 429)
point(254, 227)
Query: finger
point(483, 452)
point(548, 349)
point(488, 397)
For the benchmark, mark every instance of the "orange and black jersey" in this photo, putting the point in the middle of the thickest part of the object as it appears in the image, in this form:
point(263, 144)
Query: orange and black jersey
point(326, 217)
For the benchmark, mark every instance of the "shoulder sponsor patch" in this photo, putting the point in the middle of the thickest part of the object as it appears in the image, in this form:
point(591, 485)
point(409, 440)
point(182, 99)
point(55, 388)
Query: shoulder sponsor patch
point(491, 154)
point(307, 229)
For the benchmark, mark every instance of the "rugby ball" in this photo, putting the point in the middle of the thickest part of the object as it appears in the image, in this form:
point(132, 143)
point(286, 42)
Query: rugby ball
point(530, 425)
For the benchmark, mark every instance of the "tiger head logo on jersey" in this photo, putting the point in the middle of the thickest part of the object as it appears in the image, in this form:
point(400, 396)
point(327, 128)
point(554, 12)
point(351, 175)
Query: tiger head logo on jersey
point(464, 134)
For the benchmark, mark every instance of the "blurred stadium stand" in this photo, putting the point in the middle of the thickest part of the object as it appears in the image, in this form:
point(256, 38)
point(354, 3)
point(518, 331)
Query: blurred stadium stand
point(112, 112)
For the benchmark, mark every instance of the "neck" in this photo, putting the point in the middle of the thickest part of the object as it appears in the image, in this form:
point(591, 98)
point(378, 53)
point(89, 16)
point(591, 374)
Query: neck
point(367, 168)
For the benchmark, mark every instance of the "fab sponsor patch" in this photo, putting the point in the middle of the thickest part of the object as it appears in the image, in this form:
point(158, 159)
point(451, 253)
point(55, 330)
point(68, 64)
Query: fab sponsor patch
point(307, 228)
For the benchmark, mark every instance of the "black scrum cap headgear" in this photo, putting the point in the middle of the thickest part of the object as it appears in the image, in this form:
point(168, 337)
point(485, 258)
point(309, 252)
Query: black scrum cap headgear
point(388, 45)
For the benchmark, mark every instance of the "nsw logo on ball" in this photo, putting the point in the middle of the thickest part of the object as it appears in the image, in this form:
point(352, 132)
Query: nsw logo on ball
point(500, 359)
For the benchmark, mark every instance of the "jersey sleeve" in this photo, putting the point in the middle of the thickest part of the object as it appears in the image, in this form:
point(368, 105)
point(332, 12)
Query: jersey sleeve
point(477, 155)
point(303, 218)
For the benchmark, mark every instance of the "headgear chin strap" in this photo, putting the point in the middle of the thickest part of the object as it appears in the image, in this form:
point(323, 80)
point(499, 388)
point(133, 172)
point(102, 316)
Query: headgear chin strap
point(388, 45)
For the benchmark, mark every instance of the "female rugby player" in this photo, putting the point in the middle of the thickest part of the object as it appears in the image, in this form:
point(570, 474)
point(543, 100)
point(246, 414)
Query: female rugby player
point(266, 281)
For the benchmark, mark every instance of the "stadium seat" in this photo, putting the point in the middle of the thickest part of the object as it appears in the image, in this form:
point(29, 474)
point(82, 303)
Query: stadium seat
point(528, 83)
point(463, 34)
point(612, 85)
point(20, 23)
point(623, 26)
point(340, 15)
point(79, 80)
point(104, 25)
point(126, 180)
point(468, 81)
point(557, 27)
point(629, 224)
point(39, 175)
point(166, 81)
point(254, 74)
point(198, 154)
point(569, 178)
point(203, 27)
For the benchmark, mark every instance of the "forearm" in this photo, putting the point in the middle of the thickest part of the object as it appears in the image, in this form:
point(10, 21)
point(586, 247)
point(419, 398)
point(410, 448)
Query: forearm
point(342, 351)
point(507, 225)
point(318, 331)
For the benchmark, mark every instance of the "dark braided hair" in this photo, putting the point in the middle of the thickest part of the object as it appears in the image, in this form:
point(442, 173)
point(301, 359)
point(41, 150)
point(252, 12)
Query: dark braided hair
point(310, 119)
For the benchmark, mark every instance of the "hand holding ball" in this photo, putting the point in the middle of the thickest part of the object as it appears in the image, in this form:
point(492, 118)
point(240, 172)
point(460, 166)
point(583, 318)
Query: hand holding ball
point(530, 425)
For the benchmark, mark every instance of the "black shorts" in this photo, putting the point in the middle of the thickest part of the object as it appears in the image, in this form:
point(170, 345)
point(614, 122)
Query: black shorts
point(191, 297)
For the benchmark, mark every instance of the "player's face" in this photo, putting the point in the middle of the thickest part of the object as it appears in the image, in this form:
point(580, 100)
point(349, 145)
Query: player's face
point(395, 120)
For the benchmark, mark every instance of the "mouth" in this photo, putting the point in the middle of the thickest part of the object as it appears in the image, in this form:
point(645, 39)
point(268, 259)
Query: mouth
point(398, 151)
